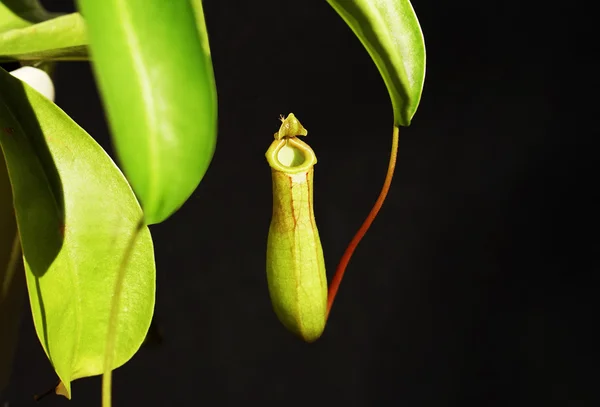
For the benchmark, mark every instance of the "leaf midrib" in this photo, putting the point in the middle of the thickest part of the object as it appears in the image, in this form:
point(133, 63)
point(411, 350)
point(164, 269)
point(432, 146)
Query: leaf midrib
point(145, 82)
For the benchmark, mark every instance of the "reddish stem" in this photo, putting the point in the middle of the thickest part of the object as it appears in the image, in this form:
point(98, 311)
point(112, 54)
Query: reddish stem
point(339, 273)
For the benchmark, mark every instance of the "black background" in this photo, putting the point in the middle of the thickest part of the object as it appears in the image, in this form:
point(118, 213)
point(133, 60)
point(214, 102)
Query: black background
point(477, 283)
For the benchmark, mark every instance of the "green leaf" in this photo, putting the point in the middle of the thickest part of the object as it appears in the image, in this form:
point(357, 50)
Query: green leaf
point(75, 213)
point(22, 13)
point(62, 38)
point(152, 62)
point(12, 278)
point(390, 32)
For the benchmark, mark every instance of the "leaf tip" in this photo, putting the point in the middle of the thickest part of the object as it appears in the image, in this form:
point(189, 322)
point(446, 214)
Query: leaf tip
point(63, 390)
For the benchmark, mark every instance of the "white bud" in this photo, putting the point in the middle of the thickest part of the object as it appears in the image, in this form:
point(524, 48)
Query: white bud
point(37, 79)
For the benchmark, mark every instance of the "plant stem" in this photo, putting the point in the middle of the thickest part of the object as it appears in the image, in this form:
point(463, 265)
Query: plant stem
point(112, 321)
point(339, 273)
point(11, 268)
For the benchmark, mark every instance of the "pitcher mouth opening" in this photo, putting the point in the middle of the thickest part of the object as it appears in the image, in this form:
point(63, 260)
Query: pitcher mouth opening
point(290, 155)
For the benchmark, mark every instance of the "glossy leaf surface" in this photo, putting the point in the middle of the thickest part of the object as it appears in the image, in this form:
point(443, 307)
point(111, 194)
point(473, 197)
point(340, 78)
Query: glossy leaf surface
point(391, 33)
point(62, 38)
point(153, 67)
point(21, 13)
point(75, 213)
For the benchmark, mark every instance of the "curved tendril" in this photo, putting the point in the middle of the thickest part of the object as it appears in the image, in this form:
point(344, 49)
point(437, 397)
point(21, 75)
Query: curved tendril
point(339, 273)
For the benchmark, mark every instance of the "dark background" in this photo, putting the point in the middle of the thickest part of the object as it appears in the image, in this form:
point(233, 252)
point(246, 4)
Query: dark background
point(477, 283)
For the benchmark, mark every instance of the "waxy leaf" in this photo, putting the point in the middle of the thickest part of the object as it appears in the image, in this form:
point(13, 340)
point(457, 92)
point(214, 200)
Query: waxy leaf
point(22, 13)
point(390, 32)
point(76, 214)
point(62, 38)
point(153, 66)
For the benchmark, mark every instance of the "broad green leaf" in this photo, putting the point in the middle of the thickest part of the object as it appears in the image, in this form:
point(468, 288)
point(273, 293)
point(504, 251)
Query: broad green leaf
point(12, 278)
point(152, 62)
point(62, 38)
point(21, 13)
point(390, 32)
point(75, 213)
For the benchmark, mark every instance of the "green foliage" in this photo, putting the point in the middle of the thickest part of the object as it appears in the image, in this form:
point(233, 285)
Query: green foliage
point(75, 213)
point(160, 97)
point(70, 231)
point(62, 38)
point(391, 33)
point(22, 13)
